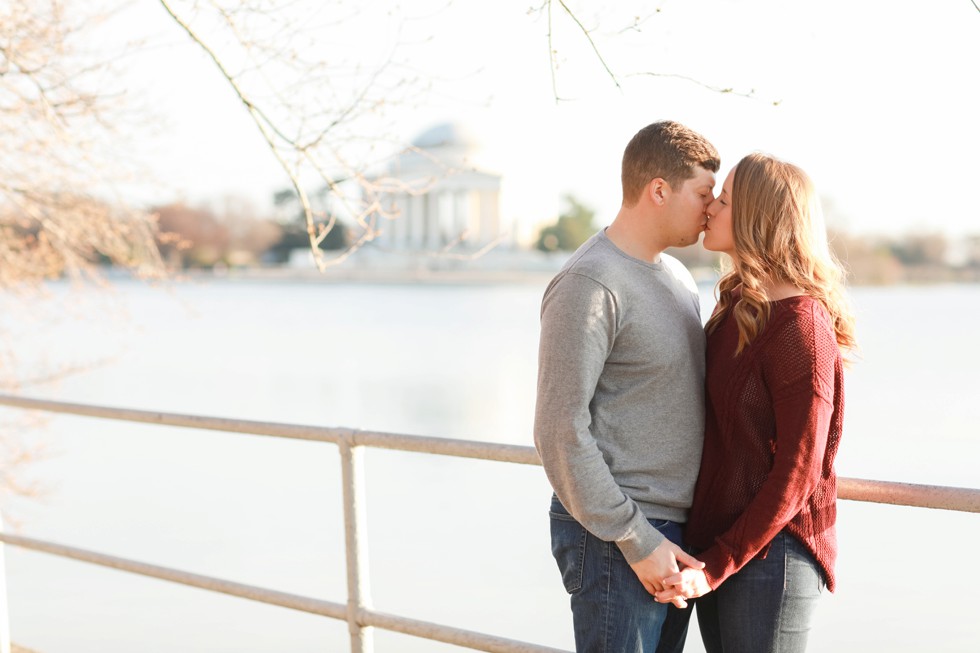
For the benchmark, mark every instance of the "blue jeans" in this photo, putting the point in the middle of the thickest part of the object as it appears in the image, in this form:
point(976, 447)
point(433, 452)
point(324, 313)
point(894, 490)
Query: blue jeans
point(766, 607)
point(611, 611)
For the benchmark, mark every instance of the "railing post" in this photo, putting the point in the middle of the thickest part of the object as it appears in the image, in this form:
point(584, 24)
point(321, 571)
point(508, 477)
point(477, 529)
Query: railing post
point(355, 529)
point(4, 608)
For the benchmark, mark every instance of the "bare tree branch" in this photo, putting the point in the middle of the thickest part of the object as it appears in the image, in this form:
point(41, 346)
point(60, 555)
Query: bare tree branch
point(334, 137)
point(55, 122)
point(588, 36)
point(716, 89)
point(635, 25)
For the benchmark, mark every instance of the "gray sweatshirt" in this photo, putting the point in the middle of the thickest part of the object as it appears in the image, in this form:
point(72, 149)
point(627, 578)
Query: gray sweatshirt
point(619, 420)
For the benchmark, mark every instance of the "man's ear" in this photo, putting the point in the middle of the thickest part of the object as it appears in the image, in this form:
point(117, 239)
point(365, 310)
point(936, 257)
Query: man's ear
point(658, 190)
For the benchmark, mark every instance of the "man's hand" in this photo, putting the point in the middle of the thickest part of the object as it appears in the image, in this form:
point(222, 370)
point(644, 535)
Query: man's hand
point(689, 583)
point(663, 563)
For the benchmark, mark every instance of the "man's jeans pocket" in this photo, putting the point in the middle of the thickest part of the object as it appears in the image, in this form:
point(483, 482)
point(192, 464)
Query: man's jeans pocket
point(568, 546)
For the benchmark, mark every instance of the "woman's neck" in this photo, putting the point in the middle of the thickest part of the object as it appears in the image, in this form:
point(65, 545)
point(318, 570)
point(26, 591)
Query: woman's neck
point(777, 290)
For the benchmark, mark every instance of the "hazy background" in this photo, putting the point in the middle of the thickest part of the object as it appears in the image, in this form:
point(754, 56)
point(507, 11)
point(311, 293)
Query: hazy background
point(876, 100)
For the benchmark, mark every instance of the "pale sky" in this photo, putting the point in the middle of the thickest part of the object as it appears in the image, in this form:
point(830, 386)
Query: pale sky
point(876, 99)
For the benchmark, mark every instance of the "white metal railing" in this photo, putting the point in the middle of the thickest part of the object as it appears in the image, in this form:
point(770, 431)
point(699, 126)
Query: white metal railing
point(357, 611)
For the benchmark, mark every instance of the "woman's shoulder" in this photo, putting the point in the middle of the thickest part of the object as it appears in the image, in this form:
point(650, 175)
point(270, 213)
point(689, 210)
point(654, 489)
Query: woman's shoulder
point(800, 336)
point(800, 311)
point(801, 355)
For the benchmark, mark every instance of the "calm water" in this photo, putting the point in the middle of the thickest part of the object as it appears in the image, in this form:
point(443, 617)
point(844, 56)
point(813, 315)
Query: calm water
point(452, 541)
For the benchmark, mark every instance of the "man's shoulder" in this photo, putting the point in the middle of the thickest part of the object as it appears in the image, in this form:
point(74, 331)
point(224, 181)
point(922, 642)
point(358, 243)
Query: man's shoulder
point(585, 275)
point(596, 259)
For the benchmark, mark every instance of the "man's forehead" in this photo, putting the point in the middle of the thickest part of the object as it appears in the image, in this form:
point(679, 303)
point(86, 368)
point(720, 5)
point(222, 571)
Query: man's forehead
point(702, 177)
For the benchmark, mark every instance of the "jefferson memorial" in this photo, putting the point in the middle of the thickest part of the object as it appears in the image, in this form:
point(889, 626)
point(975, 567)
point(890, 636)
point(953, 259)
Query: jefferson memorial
point(441, 199)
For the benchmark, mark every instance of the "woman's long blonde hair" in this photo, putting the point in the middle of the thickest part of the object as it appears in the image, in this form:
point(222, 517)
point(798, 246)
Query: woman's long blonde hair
point(779, 236)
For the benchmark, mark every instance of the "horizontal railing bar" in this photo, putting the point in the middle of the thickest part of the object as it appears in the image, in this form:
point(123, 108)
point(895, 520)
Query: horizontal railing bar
point(852, 489)
point(276, 429)
point(907, 494)
point(260, 594)
point(508, 453)
point(504, 453)
point(425, 629)
point(940, 497)
point(450, 635)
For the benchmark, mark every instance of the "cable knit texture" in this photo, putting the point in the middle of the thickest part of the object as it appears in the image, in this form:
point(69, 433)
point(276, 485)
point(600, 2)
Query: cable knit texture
point(773, 424)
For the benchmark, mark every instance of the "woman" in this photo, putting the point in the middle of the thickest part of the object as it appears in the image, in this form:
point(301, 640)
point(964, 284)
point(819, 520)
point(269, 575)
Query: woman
point(765, 503)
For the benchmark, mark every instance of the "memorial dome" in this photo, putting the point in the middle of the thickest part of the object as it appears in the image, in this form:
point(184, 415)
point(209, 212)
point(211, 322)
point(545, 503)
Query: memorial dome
point(447, 135)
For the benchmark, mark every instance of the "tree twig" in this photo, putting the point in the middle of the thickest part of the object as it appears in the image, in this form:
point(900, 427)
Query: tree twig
point(591, 42)
point(717, 89)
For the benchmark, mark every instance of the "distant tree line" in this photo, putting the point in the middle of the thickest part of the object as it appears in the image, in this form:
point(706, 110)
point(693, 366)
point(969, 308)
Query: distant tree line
point(868, 259)
point(574, 226)
point(917, 257)
point(235, 235)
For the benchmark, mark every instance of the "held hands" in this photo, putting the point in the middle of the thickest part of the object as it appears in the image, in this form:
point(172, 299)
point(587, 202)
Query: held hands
point(689, 583)
point(663, 564)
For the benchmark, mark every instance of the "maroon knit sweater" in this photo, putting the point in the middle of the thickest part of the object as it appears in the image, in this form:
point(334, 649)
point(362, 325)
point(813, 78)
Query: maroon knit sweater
point(773, 424)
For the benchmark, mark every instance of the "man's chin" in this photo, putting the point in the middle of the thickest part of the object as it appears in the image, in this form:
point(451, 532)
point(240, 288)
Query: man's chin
point(697, 238)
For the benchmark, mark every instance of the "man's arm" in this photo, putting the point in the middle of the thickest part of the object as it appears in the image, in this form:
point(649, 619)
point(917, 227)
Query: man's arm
point(578, 327)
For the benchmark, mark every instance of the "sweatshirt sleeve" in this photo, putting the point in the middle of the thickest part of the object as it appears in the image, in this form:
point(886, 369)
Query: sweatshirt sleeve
point(578, 328)
point(798, 367)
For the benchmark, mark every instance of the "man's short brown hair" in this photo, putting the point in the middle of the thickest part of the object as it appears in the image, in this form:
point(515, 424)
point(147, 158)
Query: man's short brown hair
point(667, 150)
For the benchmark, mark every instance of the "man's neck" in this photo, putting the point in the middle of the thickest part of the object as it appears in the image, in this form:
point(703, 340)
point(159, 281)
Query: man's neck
point(631, 233)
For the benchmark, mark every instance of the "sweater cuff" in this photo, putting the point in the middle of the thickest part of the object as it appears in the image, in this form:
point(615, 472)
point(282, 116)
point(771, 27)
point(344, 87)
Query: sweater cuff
point(717, 565)
point(640, 542)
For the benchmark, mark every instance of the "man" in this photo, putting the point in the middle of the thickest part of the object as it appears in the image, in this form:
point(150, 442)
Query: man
point(619, 420)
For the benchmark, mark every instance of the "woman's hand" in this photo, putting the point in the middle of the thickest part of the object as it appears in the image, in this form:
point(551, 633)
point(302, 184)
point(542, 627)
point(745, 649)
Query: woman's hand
point(689, 583)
